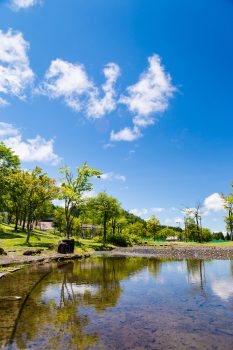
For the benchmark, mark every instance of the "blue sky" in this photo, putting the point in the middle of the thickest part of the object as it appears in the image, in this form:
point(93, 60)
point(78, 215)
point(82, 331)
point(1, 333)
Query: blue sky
point(141, 90)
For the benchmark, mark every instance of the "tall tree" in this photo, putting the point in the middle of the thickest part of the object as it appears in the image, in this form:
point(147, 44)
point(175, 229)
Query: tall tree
point(228, 205)
point(106, 208)
point(73, 189)
point(153, 225)
point(8, 162)
point(39, 189)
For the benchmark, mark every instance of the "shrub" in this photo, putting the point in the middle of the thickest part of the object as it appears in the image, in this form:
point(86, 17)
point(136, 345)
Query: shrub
point(166, 232)
point(120, 240)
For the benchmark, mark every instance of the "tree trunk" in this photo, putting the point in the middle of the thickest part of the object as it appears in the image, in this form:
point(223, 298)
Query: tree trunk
point(16, 220)
point(29, 226)
point(105, 227)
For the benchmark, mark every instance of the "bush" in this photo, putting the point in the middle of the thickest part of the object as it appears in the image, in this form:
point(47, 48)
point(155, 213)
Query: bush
point(123, 240)
point(166, 232)
point(120, 240)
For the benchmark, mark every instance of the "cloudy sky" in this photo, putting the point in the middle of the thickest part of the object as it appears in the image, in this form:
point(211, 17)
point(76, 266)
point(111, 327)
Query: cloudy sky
point(141, 90)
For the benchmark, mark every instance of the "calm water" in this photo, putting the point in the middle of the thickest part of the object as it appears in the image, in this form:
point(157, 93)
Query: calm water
point(119, 303)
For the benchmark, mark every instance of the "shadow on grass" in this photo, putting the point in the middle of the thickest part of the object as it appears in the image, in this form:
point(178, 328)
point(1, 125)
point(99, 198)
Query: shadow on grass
point(10, 235)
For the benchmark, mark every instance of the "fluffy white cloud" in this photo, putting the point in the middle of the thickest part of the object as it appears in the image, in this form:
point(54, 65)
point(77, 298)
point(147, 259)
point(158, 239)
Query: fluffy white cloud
point(97, 107)
point(66, 80)
point(112, 176)
point(126, 134)
point(146, 211)
point(139, 212)
point(15, 72)
point(157, 210)
point(36, 149)
point(213, 203)
point(23, 4)
point(152, 92)
point(148, 97)
point(71, 82)
point(7, 130)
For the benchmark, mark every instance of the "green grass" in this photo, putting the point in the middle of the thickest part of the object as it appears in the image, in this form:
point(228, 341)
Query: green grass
point(11, 240)
point(206, 244)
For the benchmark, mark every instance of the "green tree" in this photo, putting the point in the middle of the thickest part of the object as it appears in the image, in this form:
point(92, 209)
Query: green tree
point(72, 190)
point(8, 162)
point(228, 205)
point(165, 232)
point(106, 208)
point(39, 189)
point(153, 225)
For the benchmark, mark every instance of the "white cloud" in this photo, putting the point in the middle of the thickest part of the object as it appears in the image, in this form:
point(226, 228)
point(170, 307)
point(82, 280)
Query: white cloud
point(15, 72)
point(23, 4)
point(66, 80)
point(71, 82)
point(143, 121)
point(7, 130)
point(112, 176)
point(152, 92)
point(3, 102)
point(96, 107)
point(213, 203)
point(36, 149)
point(108, 145)
point(146, 211)
point(157, 210)
point(139, 212)
point(148, 97)
point(126, 134)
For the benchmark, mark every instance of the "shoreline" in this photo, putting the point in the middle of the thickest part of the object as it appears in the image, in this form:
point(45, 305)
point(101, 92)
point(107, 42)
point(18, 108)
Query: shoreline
point(159, 251)
point(23, 261)
point(177, 252)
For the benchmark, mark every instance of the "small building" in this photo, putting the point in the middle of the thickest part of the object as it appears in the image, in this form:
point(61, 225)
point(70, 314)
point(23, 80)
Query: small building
point(172, 239)
point(45, 224)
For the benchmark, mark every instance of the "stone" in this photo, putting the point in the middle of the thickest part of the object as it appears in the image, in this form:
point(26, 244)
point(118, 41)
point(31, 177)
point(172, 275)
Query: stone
point(32, 252)
point(66, 246)
point(2, 252)
point(51, 246)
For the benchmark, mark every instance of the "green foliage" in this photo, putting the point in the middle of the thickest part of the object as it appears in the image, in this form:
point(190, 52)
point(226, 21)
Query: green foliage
point(137, 229)
point(206, 235)
point(164, 233)
point(73, 189)
point(123, 240)
point(152, 226)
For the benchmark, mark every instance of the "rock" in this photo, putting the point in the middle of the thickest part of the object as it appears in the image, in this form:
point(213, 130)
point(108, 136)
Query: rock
point(66, 246)
point(51, 246)
point(2, 252)
point(32, 252)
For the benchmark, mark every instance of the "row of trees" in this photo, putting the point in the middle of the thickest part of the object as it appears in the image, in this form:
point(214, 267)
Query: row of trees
point(26, 197)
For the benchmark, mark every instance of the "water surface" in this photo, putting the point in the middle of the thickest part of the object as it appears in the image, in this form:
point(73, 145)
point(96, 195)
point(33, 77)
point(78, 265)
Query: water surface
point(119, 303)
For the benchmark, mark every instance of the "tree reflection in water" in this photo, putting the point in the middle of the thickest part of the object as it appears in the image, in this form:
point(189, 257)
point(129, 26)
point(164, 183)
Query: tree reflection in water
point(50, 318)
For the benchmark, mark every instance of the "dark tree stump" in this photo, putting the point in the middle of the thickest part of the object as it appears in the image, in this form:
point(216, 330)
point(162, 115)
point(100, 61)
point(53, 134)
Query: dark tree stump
point(66, 246)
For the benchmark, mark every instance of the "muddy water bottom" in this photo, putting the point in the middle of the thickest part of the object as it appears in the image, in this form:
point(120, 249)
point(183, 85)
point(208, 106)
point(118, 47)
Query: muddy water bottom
point(119, 303)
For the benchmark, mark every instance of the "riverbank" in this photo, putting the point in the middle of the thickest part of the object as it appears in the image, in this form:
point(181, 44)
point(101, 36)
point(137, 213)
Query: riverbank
point(12, 263)
point(173, 251)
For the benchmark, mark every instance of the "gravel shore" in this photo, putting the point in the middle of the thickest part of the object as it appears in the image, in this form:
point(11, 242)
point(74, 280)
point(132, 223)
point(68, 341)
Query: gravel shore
point(178, 252)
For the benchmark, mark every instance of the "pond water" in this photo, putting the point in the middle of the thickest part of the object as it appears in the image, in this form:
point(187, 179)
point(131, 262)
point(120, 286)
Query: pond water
point(119, 303)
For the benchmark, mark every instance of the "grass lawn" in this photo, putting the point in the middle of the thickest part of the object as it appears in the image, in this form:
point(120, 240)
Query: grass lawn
point(11, 240)
point(204, 244)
